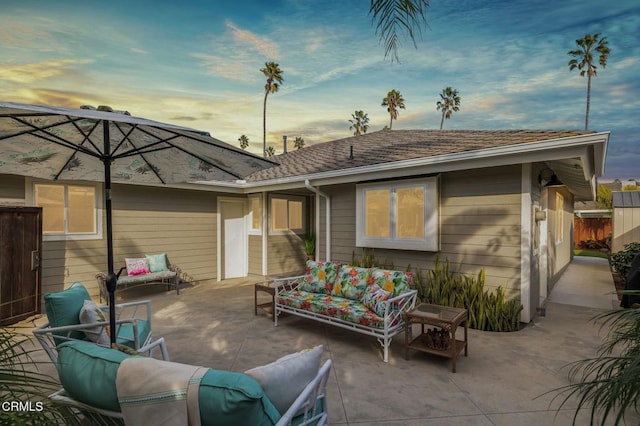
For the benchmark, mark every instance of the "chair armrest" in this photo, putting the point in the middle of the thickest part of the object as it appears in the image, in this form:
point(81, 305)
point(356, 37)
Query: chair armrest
point(161, 344)
point(396, 306)
point(306, 402)
point(281, 285)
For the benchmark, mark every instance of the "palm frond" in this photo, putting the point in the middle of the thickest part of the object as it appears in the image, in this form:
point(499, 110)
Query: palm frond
point(394, 17)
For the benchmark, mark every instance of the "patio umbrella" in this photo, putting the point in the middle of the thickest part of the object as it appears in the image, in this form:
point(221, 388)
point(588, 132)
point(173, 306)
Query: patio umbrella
point(88, 144)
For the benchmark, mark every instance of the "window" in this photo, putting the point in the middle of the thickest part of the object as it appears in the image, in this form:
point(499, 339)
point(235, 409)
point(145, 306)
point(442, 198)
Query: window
point(287, 214)
point(68, 210)
point(255, 215)
point(559, 218)
point(398, 215)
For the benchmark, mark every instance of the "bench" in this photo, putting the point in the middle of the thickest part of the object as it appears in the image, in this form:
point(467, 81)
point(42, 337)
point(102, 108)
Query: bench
point(369, 301)
point(158, 270)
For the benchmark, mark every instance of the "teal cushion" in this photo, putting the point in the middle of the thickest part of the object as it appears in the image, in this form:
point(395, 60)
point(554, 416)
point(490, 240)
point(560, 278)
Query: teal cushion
point(157, 262)
point(63, 308)
point(229, 398)
point(125, 333)
point(88, 373)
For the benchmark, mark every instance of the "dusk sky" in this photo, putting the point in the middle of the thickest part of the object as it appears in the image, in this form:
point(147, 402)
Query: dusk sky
point(197, 64)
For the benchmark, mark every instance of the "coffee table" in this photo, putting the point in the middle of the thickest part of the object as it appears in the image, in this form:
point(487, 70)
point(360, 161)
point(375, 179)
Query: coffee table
point(439, 341)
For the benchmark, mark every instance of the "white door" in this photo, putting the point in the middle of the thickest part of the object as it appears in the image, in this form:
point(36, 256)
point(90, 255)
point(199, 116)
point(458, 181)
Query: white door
point(234, 238)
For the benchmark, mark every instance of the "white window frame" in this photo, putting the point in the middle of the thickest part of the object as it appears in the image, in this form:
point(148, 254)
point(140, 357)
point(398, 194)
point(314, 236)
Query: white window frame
point(30, 192)
point(288, 198)
point(250, 215)
point(431, 239)
point(559, 218)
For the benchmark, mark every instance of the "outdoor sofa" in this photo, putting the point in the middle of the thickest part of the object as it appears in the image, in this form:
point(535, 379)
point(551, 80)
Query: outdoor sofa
point(107, 386)
point(370, 301)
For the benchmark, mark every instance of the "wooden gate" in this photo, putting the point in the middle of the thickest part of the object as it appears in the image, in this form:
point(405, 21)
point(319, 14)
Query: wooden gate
point(20, 248)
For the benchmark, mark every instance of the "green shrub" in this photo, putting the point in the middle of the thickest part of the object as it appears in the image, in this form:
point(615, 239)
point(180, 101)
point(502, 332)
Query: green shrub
point(487, 311)
point(621, 261)
point(20, 381)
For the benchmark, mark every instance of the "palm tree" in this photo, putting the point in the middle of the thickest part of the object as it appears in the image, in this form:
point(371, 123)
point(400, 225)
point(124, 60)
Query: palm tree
point(244, 141)
point(273, 73)
point(583, 60)
point(298, 142)
point(359, 123)
point(393, 102)
point(270, 151)
point(395, 16)
point(449, 103)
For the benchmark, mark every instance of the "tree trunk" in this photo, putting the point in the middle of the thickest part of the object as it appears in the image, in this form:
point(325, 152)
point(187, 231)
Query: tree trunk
point(442, 120)
point(264, 125)
point(586, 118)
point(390, 122)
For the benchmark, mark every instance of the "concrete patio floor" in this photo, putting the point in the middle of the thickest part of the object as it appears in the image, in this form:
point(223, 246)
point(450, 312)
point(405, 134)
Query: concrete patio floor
point(502, 382)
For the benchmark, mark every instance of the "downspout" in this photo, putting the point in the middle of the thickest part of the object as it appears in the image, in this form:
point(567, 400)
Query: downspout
point(327, 215)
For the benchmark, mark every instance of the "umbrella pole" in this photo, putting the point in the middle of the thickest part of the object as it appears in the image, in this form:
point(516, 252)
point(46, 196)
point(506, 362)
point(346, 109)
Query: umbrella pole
point(112, 279)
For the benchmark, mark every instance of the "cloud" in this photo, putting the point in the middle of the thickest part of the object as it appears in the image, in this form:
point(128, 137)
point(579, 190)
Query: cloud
point(29, 73)
point(139, 51)
point(264, 46)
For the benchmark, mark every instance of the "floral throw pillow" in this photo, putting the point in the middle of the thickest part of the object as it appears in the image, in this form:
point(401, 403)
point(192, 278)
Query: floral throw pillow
point(352, 282)
point(396, 282)
point(374, 298)
point(320, 277)
point(136, 266)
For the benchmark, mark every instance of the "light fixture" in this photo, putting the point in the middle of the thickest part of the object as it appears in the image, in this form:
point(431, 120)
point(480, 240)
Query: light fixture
point(551, 179)
point(554, 181)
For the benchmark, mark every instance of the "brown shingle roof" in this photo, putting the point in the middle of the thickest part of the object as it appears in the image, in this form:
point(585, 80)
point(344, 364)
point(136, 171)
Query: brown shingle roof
point(386, 146)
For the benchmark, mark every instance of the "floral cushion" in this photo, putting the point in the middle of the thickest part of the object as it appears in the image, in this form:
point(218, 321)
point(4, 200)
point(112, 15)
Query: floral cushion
point(375, 299)
point(136, 266)
point(320, 277)
point(352, 282)
point(338, 307)
point(396, 282)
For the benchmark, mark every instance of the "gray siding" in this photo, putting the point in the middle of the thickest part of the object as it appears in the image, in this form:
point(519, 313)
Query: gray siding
point(181, 223)
point(479, 225)
point(146, 220)
point(12, 187)
point(255, 254)
point(285, 255)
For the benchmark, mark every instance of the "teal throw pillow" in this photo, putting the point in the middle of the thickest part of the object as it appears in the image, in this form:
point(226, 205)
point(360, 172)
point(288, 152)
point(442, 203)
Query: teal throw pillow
point(157, 262)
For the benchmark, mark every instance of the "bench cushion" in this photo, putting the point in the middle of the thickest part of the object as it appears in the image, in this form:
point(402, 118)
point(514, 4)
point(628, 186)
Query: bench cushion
point(88, 373)
point(230, 398)
point(153, 276)
point(334, 306)
point(63, 308)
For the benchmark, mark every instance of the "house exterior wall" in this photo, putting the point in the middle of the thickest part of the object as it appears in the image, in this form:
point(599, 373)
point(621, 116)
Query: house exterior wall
point(626, 227)
point(560, 247)
point(146, 220)
point(285, 254)
point(11, 187)
point(255, 254)
point(479, 226)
